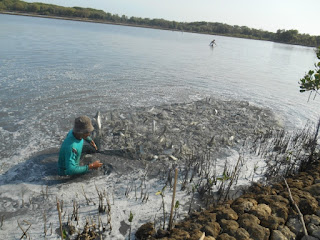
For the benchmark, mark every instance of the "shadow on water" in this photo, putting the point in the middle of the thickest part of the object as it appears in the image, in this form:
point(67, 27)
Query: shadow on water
point(42, 168)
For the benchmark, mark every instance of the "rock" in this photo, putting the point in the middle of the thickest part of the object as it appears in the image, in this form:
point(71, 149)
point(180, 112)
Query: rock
point(314, 189)
point(195, 235)
point(309, 238)
point(280, 210)
point(317, 198)
point(211, 229)
point(295, 183)
point(271, 199)
point(312, 228)
point(225, 236)
point(188, 225)
point(305, 201)
point(308, 204)
point(259, 189)
point(179, 234)
point(277, 235)
point(225, 212)
point(243, 205)
point(244, 218)
point(316, 234)
point(301, 181)
point(278, 187)
point(241, 234)
point(277, 203)
point(295, 225)
point(287, 233)
point(162, 233)
point(209, 238)
point(203, 217)
point(306, 179)
point(262, 211)
point(145, 231)
point(206, 216)
point(228, 226)
point(312, 223)
point(272, 222)
point(251, 223)
point(314, 219)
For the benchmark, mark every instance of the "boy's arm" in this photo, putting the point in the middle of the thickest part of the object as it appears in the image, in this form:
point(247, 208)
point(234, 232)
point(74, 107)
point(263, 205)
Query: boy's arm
point(72, 165)
point(91, 142)
point(88, 139)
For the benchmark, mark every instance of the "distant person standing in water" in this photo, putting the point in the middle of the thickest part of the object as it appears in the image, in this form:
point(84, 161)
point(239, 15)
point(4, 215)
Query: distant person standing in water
point(213, 42)
point(71, 148)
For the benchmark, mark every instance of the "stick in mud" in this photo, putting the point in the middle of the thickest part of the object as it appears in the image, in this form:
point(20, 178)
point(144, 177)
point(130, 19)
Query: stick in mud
point(2, 219)
point(59, 213)
point(173, 197)
point(86, 198)
point(24, 231)
point(298, 210)
point(45, 224)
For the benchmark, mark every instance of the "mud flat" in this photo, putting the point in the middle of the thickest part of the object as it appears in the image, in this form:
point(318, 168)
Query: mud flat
point(140, 149)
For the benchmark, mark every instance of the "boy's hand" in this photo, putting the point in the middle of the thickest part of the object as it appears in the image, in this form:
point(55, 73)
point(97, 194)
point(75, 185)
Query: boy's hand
point(95, 165)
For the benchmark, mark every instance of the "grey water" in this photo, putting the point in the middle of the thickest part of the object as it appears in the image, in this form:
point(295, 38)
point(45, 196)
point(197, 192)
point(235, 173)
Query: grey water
point(52, 71)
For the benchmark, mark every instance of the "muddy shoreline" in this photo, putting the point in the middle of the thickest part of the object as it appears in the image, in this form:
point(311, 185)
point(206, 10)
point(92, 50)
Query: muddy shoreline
point(140, 147)
point(262, 213)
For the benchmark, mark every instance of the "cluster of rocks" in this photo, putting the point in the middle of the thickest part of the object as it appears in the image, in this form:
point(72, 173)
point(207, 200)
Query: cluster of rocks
point(262, 213)
point(175, 131)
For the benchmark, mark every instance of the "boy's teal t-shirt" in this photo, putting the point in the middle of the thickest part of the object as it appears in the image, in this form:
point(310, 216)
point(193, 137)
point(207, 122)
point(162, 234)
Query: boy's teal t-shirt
point(69, 156)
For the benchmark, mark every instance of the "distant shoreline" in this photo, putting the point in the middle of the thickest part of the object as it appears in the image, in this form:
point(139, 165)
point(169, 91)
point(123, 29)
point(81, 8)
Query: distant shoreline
point(114, 23)
point(132, 25)
point(89, 20)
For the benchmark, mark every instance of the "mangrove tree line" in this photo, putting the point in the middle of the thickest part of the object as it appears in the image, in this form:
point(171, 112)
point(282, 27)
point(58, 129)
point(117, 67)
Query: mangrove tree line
point(283, 36)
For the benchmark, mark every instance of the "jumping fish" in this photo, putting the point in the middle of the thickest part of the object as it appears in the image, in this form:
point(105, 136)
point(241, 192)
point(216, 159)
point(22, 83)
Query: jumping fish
point(97, 120)
point(96, 134)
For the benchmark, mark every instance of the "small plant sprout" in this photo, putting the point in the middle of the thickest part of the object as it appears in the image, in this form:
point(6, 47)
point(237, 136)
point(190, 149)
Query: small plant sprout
point(255, 168)
point(225, 177)
point(191, 201)
point(161, 193)
point(176, 208)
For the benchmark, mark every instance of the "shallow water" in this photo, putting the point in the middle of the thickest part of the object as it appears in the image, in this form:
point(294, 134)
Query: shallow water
point(130, 180)
point(51, 71)
point(54, 70)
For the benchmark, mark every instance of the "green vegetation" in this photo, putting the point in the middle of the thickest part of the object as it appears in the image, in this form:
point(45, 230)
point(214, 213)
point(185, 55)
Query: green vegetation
point(311, 81)
point(283, 36)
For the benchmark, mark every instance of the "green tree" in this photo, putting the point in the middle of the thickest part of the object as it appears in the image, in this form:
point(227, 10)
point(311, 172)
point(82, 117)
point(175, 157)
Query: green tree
point(289, 36)
point(311, 81)
point(19, 6)
point(33, 7)
point(2, 6)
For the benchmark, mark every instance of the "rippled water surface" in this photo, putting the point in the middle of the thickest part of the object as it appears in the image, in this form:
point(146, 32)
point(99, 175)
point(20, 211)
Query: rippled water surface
point(54, 70)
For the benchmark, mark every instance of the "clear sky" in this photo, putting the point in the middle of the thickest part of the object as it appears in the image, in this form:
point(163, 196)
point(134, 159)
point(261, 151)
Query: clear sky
point(270, 15)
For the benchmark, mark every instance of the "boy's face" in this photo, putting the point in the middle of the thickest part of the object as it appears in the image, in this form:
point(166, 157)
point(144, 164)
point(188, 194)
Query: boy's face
point(85, 135)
